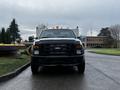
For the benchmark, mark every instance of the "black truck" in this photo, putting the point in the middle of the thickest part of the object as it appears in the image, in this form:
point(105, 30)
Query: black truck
point(57, 47)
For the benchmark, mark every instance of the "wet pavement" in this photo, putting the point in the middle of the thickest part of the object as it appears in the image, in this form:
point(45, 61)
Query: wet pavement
point(102, 73)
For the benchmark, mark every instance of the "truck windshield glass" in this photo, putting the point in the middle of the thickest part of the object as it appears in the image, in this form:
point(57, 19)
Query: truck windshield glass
point(51, 33)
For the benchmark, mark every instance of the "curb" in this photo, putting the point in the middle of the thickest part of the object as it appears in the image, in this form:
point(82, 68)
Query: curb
point(14, 73)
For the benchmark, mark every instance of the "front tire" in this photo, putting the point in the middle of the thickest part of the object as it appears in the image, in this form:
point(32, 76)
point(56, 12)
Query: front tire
point(34, 69)
point(81, 67)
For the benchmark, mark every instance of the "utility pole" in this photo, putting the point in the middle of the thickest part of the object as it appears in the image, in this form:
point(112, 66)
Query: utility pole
point(91, 31)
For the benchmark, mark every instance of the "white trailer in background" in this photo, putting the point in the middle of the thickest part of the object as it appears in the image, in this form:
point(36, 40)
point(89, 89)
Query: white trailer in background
point(39, 29)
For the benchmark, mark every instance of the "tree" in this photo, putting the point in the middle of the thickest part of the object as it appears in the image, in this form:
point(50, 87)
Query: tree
point(106, 32)
point(0, 37)
point(115, 33)
point(8, 37)
point(11, 34)
point(3, 35)
point(31, 38)
point(14, 31)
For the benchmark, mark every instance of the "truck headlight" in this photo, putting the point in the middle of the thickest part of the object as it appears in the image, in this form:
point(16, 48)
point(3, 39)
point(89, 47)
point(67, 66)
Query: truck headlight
point(36, 52)
point(78, 52)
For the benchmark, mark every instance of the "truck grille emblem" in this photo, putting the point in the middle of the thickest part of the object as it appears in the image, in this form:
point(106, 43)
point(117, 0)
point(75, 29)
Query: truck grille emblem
point(57, 48)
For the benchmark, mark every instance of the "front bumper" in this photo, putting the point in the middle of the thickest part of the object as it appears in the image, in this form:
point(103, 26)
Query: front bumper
point(57, 60)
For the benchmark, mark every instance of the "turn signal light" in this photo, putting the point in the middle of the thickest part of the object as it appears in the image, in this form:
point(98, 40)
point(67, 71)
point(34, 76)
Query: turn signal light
point(78, 46)
point(35, 47)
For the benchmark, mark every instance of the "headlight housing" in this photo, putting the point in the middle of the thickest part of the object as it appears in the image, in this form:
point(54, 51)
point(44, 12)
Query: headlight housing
point(35, 49)
point(79, 49)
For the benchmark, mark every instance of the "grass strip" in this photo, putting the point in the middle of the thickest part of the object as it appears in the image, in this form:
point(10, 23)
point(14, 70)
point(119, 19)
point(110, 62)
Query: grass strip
point(106, 51)
point(9, 64)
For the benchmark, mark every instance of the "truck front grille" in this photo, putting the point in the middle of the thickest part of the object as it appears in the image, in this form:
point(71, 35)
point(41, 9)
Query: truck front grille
point(57, 49)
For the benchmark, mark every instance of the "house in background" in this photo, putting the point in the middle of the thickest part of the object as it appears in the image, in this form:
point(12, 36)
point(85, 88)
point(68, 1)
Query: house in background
point(94, 41)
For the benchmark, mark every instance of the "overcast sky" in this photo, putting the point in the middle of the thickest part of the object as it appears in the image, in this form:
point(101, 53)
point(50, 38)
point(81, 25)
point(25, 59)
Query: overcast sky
point(87, 14)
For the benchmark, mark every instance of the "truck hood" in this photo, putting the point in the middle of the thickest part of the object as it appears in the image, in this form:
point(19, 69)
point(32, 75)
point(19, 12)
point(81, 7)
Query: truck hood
point(57, 40)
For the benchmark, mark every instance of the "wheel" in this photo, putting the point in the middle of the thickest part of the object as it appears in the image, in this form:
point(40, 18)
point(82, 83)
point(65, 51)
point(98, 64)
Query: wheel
point(34, 69)
point(81, 67)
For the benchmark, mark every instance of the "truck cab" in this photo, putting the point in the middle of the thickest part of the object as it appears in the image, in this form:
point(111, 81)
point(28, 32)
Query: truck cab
point(57, 47)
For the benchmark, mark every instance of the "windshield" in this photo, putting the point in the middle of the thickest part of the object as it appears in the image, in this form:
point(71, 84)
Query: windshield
point(62, 33)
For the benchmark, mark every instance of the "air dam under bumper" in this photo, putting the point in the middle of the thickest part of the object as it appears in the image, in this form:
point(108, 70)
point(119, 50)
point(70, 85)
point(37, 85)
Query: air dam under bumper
point(57, 60)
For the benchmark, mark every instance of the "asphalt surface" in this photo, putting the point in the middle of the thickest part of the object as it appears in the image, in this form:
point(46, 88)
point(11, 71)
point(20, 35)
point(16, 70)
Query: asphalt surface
point(102, 73)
